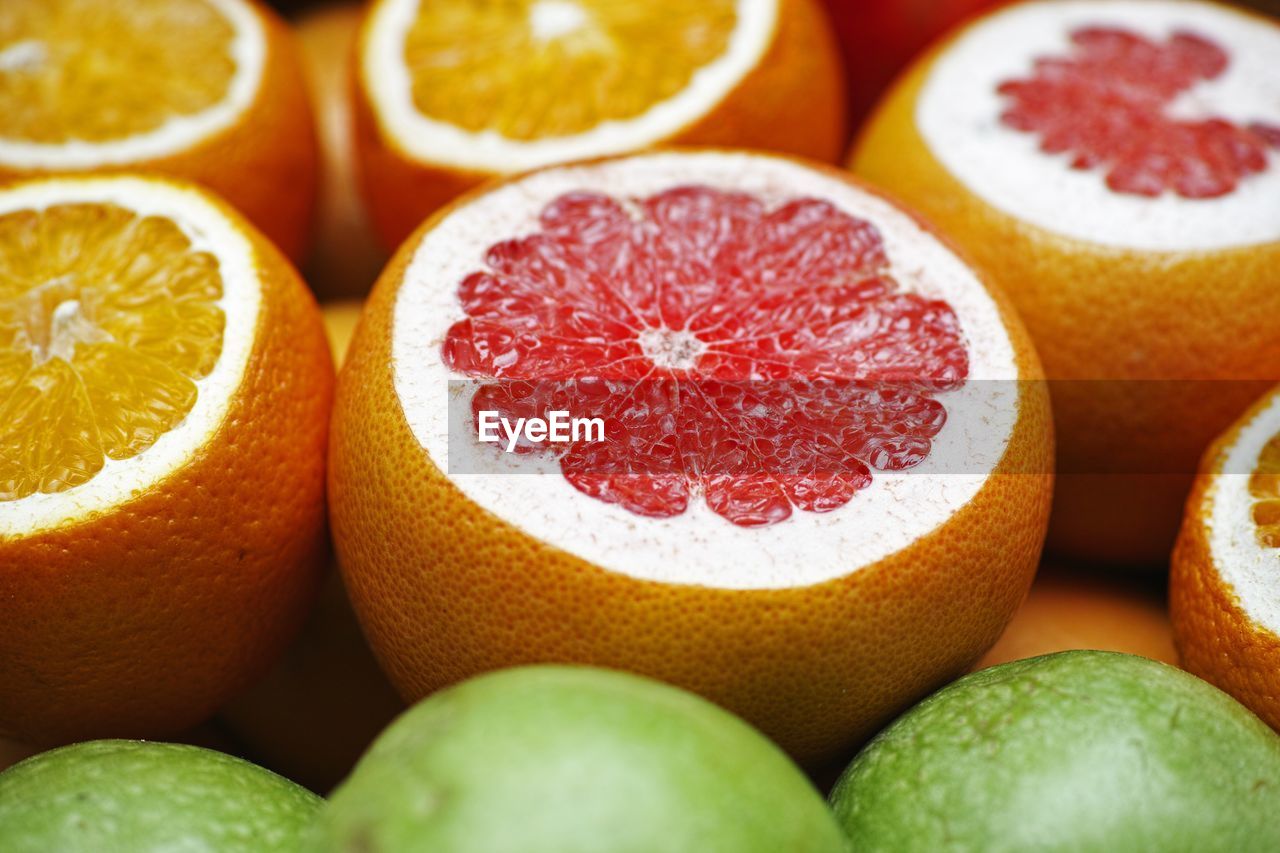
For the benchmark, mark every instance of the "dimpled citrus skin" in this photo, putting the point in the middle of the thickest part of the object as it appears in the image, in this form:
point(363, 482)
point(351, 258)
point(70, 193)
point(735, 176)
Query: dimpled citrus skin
point(574, 760)
point(1216, 639)
point(1098, 313)
point(1077, 751)
point(264, 163)
point(792, 102)
point(142, 620)
point(106, 796)
point(446, 590)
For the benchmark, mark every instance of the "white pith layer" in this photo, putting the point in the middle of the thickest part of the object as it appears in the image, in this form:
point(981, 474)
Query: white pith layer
point(209, 230)
point(700, 547)
point(958, 115)
point(385, 78)
point(248, 49)
point(1245, 566)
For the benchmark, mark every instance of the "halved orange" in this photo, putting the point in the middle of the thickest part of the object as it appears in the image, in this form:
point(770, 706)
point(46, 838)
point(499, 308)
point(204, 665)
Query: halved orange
point(206, 90)
point(822, 483)
point(451, 92)
point(164, 394)
point(1223, 592)
point(1115, 169)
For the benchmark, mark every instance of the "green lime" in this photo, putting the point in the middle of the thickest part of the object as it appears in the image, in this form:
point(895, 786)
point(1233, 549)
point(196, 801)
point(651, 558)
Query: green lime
point(574, 760)
point(137, 797)
point(1073, 751)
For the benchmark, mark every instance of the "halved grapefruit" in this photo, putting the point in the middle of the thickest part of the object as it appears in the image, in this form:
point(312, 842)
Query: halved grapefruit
point(164, 394)
point(206, 90)
point(451, 93)
point(822, 485)
point(1116, 168)
point(1222, 591)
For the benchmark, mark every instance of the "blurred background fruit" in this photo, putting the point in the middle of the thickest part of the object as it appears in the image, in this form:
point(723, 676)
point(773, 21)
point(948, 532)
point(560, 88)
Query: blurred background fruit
point(136, 796)
point(1073, 751)
point(1223, 587)
point(879, 37)
point(209, 93)
point(162, 532)
point(571, 760)
point(1145, 310)
point(345, 259)
point(1071, 607)
point(472, 91)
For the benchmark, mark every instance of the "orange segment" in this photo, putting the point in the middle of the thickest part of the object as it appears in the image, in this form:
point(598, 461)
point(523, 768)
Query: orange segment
point(530, 69)
point(87, 70)
point(1264, 486)
point(107, 321)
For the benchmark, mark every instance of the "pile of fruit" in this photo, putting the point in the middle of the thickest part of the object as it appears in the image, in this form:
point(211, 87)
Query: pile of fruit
point(837, 404)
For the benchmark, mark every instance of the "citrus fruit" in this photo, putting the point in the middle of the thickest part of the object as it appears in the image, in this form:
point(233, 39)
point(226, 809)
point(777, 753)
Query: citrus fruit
point(450, 93)
point(1072, 609)
point(822, 485)
point(1221, 590)
point(207, 90)
point(878, 38)
point(574, 760)
point(1115, 168)
point(1080, 750)
point(164, 394)
point(116, 795)
point(345, 258)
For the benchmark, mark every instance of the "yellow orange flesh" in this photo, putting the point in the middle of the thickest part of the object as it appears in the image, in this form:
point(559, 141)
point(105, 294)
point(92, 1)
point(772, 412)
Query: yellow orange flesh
point(107, 321)
point(99, 70)
point(529, 69)
point(1264, 488)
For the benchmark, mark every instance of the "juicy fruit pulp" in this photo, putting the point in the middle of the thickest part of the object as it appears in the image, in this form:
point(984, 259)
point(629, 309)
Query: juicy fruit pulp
point(108, 319)
point(528, 69)
point(99, 70)
point(1112, 105)
point(760, 355)
point(1264, 488)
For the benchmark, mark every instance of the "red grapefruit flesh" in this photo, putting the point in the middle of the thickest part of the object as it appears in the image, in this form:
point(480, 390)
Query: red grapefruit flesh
point(761, 357)
point(1111, 105)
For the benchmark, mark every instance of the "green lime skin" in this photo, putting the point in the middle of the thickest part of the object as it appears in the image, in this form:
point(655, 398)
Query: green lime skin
point(1076, 751)
point(551, 759)
point(137, 797)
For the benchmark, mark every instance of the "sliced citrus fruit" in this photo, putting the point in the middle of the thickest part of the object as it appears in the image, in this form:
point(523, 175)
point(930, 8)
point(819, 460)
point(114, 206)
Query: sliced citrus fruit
point(1222, 591)
point(1116, 168)
point(164, 387)
point(345, 257)
point(450, 93)
point(207, 90)
point(803, 504)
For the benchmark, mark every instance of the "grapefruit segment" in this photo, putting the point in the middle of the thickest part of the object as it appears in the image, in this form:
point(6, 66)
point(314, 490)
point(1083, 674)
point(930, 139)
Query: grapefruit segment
point(746, 326)
point(1110, 105)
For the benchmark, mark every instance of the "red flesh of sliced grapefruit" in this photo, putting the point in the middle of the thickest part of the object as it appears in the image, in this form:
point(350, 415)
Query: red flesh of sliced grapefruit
point(1108, 105)
point(762, 357)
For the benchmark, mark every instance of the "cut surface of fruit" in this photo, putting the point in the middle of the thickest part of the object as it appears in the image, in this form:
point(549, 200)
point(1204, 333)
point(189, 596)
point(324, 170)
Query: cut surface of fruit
point(126, 317)
point(86, 83)
point(1149, 125)
point(510, 86)
point(709, 329)
point(1242, 517)
point(732, 282)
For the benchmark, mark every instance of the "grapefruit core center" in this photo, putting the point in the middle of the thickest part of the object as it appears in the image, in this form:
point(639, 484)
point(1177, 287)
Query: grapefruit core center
point(760, 356)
